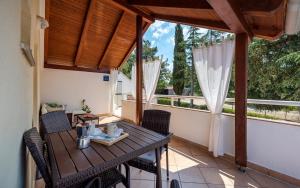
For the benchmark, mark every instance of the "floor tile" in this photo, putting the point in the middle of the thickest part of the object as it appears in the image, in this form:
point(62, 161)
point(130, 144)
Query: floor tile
point(198, 151)
point(185, 160)
point(241, 178)
point(266, 181)
point(205, 162)
point(216, 176)
point(222, 163)
point(190, 174)
point(182, 149)
point(226, 186)
point(137, 174)
point(193, 185)
point(173, 173)
point(141, 184)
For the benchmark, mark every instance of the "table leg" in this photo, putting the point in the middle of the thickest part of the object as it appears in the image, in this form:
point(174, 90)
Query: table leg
point(158, 173)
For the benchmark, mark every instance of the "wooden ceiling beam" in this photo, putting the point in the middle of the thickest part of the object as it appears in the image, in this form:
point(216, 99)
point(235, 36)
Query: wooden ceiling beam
point(217, 25)
point(194, 4)
point(132, 46)
point(252, 7)
point(112, 38)
point(230, 13)
point(88, 19)
point(130, 9)
point(76, 68)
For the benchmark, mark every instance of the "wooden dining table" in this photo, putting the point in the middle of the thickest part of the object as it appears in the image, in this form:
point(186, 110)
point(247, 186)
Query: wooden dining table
point(72, 166)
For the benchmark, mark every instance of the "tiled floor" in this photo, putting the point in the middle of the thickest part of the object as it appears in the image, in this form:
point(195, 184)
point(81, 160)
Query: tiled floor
point(195, 168)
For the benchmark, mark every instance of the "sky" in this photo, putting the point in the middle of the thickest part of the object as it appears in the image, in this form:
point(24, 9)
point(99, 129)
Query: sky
point(161, 34)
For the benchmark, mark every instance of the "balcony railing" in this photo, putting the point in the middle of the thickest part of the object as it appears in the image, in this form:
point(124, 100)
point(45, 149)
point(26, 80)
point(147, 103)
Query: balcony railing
point(268, 109)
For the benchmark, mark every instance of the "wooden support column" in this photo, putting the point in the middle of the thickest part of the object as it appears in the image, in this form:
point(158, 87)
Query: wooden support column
point(139, 69)
point(241, 61)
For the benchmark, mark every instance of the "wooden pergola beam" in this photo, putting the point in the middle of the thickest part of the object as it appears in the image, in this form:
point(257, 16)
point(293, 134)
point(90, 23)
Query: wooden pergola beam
point(112, 38)
point(130, 9)
point(248, 7)
point(139, 69)
point(230, 13)
point(241, 64)
point(76, 68)
point(88, 18)
point(219, 25)
point(132, 46)
point(194, 4)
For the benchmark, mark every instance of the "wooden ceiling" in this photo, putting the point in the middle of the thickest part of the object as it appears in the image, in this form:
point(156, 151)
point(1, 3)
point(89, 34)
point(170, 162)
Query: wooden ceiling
point(97, 35)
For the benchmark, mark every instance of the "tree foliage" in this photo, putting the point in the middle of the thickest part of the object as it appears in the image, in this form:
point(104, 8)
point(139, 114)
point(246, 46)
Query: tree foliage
point(193, 41)
point(274, 70)
point(179, 62)
point(149, 54)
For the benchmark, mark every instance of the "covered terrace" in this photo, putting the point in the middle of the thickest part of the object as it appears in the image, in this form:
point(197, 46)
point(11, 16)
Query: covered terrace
point(94, 37)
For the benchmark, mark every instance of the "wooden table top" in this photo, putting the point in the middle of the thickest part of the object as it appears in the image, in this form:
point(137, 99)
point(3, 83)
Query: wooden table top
point(70, 165)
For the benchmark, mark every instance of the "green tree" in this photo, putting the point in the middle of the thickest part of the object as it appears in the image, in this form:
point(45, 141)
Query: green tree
point(164, 76)
point(179, 62)
point(274, 70)
point(149, 54)
point(193, 41)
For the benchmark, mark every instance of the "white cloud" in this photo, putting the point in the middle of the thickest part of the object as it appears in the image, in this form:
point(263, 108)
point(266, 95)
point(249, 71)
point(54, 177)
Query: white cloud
point(171, 40)
point(160, 32)
point(160, 28)
point(153, 42)
point(156, 24)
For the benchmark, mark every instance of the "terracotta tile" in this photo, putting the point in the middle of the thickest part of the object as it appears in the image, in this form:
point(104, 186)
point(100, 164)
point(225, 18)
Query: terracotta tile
point(225, 164)
point(165, 184)
point(241, 179)
point(193, 185)
point(266, 181)
point(205, 162)
point(171, 158)
point(137, 174)
point(224, 186)
point(176, 142)
point(185, 160)
point(216, 176)
point(182, 149)
point(173, 173)
point(190, 174)
point(141, 184)
point(198, 151)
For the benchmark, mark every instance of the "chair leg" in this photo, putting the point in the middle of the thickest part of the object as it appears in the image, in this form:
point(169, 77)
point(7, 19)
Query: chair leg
point(127, 170)
point(167, 160)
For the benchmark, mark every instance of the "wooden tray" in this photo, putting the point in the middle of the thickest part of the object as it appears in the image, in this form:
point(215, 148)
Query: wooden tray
point(109, 143)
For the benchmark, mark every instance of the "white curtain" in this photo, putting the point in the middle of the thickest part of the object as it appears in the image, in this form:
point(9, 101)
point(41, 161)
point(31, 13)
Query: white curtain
point(113, 89)
point(151, 72)
point(133, 82)
point(213, 68)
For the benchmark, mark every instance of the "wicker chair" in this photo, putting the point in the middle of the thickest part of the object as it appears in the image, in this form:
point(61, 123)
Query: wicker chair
point(54, 122)
point(37, 148)
point(175, 184)
point(158, 121)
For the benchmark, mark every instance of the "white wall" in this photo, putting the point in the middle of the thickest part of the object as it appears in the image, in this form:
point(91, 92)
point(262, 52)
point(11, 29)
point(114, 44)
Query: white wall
point(273, 145)
point(70, 87)
point(16, 96)
point(126, 83)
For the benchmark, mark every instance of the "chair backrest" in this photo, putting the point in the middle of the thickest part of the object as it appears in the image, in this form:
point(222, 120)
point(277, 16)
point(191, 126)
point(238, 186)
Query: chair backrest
point(157, 120)
point(55, 122)
point(35, 144)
